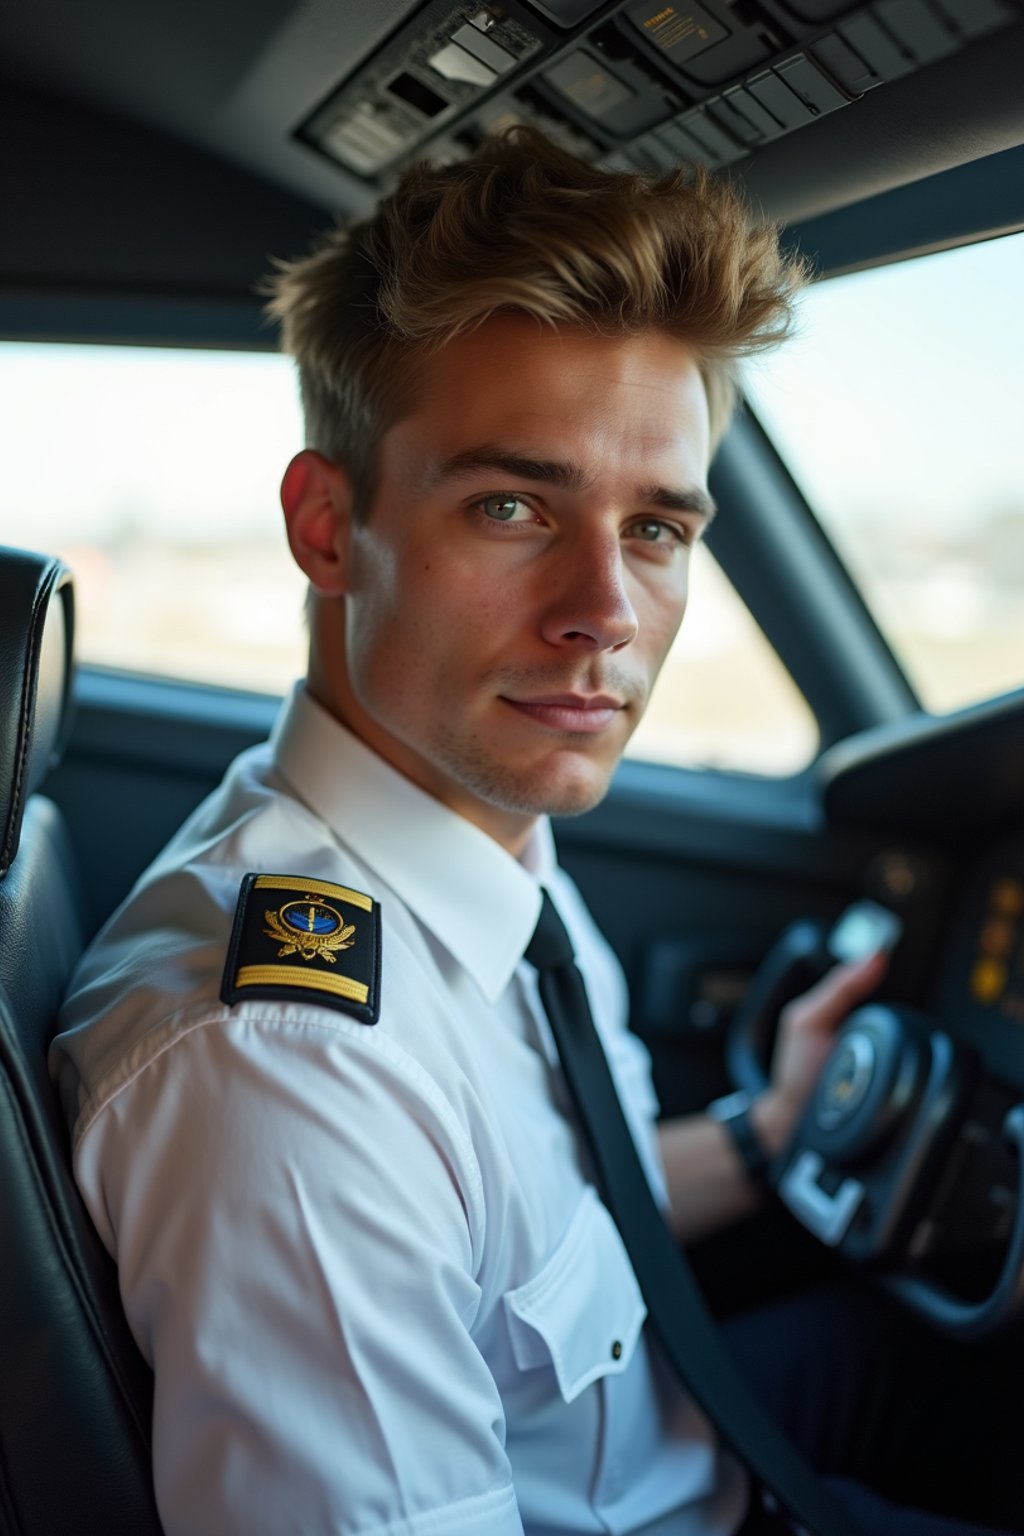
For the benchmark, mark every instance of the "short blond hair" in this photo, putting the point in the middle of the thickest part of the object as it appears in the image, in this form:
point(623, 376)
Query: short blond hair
point(523, 226)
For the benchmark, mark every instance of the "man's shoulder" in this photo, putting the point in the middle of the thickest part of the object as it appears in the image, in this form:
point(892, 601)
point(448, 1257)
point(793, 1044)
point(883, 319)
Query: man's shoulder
point(254, 914)
point(165, 946)
point(167, 1043)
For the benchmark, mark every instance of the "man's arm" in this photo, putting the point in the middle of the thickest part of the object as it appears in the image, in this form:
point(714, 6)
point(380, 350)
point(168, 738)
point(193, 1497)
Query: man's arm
point(298, 1225)
point(708, 1184)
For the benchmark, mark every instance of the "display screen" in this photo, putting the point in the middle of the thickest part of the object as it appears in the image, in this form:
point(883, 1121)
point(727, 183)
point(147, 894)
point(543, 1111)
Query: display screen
point(997, 971)
point(979, 990)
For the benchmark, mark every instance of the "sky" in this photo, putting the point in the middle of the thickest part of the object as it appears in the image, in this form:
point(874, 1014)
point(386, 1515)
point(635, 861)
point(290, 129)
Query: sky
point(904, 389)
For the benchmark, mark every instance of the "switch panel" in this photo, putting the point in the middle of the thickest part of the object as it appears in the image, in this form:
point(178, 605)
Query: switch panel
point(706, 42)
point(436, 68)
point(650, 84)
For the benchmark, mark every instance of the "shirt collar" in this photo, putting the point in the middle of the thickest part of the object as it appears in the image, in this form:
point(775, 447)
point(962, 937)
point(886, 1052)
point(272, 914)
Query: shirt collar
point(479, 901)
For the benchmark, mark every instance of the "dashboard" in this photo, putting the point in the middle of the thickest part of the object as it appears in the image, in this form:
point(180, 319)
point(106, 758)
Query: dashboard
point(909, 1152)
point(979, 998)
point(957, 783)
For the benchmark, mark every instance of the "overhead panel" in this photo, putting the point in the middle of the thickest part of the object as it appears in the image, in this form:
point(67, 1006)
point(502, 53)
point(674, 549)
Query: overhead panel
point(746, 117)
point(817, 10)
point(923, 32)
point(589, 86)
point(636, 85)
point(566, 13)
point(877, 46)
point(806, 80)
point(846, 66)
point(680, 34)
point(976, 18)
point(453, 62)
point(434, 71)
point(705, 43)
point(611, 89)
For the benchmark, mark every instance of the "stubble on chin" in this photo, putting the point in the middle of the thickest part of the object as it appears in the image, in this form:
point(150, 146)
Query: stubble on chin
point(541, 791)
point(569, 779)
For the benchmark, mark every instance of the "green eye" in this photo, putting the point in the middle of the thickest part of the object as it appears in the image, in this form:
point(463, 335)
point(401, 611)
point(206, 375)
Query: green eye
point(655, 530)
point(501, 508)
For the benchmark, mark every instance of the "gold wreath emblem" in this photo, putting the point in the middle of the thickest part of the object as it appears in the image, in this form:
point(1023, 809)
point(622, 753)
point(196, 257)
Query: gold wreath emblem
point(298, 936)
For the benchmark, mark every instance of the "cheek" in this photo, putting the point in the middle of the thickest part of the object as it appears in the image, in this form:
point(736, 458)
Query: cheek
point(375, 613)
point(408, 632)
point(660, 613)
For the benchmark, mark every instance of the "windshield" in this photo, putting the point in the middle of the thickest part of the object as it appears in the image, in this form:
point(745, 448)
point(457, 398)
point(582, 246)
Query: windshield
point(897, 408)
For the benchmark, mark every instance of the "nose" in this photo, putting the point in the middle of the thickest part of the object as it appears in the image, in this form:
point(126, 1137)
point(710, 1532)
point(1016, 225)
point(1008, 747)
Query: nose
point(589, 606)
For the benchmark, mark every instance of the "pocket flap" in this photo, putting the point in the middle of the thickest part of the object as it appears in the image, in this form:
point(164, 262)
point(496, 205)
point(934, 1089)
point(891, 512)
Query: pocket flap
point(582, 1313)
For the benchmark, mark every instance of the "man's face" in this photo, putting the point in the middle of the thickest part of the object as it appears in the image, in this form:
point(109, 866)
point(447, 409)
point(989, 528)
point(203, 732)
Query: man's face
point(523, 569)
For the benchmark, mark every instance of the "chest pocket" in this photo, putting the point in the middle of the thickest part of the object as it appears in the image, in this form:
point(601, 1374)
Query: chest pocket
point(582, 1313)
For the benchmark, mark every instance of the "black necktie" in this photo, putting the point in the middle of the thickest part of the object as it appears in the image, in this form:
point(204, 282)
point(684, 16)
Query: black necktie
point(676, 1309)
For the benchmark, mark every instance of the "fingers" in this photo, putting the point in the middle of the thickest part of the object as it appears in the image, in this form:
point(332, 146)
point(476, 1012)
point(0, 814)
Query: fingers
point(841, 990)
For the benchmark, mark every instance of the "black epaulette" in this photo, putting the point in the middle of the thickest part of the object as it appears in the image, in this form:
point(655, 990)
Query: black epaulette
point(297, 939)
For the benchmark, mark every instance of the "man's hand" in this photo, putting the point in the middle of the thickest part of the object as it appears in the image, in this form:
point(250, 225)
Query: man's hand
point(707, 1182)
point(807, 1028)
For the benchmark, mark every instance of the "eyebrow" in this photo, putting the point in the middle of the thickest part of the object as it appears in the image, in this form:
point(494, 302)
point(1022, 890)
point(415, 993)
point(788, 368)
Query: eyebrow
point(566, 476)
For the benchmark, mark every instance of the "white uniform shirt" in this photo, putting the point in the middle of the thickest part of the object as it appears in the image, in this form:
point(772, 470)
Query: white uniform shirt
point(377, 1289)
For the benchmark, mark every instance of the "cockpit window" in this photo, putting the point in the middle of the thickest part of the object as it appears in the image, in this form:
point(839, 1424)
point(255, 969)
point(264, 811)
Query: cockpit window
point(724, 699)
point(154, 473)
point(897, 409)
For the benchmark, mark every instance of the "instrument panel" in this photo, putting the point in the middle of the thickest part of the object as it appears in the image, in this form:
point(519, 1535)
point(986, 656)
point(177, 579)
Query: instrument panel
point(979, 998)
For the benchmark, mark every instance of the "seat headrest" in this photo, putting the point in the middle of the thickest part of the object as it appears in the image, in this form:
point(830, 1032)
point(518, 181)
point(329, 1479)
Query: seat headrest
point(36, 637)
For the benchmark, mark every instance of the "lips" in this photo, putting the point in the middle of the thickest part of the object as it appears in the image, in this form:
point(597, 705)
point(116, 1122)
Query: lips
point(578, 713)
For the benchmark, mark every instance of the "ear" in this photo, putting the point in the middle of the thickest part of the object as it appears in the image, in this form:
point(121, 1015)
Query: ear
point(316, 495)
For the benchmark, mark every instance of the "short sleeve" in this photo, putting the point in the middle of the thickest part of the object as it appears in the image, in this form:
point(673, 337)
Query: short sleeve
point(297, 1218)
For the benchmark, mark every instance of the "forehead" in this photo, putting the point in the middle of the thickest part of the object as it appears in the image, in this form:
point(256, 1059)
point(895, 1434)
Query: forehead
point(630, 402)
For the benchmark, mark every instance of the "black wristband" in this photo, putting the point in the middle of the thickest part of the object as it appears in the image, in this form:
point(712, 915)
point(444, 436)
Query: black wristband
point(733, 1113)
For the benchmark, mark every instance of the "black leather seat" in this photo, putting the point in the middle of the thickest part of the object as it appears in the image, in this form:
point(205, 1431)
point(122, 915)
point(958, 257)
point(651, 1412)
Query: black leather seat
point(75, 1395)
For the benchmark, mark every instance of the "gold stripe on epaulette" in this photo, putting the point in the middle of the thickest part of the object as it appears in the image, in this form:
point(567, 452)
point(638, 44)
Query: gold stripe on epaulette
point(315, 888)
point(290, 976)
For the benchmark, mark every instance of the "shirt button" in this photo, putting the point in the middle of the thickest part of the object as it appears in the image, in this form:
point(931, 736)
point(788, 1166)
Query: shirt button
point(616, 1349)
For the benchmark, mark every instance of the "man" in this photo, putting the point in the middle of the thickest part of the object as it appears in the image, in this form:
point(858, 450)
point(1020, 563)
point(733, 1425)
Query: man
point(317, 1114)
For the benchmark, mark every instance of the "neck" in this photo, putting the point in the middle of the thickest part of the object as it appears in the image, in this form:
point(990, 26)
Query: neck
point(330, 686)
